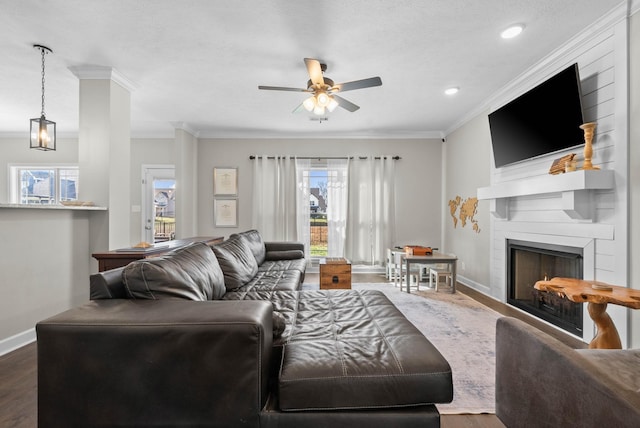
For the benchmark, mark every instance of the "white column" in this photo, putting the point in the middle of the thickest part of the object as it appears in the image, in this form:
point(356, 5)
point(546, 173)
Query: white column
point(104, 153)
point(186, 156)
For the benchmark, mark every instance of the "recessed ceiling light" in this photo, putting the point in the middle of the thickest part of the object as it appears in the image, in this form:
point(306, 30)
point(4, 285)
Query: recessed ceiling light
point(512, 31)
point(451, 91)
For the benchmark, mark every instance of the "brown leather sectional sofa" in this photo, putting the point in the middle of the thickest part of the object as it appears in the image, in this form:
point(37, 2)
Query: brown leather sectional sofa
point(222, 336)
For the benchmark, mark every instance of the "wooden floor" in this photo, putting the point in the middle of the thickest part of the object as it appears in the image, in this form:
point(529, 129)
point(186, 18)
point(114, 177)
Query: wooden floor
point(18, 370)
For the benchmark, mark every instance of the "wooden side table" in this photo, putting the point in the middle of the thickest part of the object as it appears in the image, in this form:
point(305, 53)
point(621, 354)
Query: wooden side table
point(335, 273)
point(598, 295)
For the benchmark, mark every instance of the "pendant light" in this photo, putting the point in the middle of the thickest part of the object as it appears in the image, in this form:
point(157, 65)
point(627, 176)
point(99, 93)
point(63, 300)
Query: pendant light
point(43, 131)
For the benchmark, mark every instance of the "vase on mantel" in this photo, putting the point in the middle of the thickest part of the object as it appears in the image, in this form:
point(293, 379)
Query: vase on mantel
point(588, 129)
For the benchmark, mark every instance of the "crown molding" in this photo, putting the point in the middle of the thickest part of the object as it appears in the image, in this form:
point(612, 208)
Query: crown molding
point(98, 72)
point(184, 126)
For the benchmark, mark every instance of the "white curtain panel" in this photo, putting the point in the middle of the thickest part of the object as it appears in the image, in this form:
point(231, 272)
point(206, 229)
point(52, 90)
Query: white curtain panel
point(371, 210)
point(274, 198)
point(303, 210)
point(337, 191)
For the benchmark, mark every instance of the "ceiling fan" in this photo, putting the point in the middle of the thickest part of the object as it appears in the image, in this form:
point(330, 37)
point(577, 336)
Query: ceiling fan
point(323, 90)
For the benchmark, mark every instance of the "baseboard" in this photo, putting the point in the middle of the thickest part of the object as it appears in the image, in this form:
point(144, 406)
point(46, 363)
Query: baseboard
point(475, 285)
point(367, 269)
point(17, 341)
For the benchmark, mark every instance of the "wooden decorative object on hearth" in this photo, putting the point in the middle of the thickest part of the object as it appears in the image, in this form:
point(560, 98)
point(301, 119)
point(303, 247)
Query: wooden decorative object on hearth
point(588, 129)
point(559, 165)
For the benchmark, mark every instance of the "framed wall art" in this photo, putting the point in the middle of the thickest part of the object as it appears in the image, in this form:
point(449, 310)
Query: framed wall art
point(225, 181)
point(225, 212)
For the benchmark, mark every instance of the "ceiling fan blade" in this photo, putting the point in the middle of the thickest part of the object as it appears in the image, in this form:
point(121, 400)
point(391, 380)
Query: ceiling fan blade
point(281, 88)
point(347, 105)
point(315, 71)
point(357, 84)
point(299, 109)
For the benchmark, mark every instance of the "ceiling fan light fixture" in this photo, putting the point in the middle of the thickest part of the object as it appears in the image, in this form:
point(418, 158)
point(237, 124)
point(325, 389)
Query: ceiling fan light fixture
point(512, 31)
point(320, 90)
point(323, 99)
point(332, 104)
point(309, 104)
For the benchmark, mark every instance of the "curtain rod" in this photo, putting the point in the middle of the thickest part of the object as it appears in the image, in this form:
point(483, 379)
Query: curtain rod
point(252, 157)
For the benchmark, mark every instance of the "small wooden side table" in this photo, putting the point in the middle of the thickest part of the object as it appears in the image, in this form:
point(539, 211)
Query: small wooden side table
point(598, 295)
point(335, 273)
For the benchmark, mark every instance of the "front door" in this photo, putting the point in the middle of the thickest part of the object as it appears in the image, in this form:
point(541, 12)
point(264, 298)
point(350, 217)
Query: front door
point(158, 203)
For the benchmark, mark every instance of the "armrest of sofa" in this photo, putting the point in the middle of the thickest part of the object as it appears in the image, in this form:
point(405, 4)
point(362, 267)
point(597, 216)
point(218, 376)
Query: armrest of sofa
point(544, 383)
point(284, 250)
point(107, 285)
point(155, 362)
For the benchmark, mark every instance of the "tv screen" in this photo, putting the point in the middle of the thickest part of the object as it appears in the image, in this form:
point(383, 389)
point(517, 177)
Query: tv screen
point(544, 120)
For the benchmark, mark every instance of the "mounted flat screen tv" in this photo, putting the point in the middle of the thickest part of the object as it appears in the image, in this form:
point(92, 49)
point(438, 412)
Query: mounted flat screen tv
point(544, 120)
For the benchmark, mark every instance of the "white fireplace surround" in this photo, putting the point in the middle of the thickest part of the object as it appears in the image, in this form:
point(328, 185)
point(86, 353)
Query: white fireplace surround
point(588, 262)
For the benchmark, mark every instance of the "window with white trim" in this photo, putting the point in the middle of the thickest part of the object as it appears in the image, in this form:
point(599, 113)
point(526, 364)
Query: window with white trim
point(43, 185)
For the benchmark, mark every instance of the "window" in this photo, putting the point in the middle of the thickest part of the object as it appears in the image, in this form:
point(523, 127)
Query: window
point(327, 183)
point(318, 211)
point(43, 185)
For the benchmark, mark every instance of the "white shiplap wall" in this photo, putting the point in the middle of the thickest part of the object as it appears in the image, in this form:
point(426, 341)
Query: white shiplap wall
point(601, 54)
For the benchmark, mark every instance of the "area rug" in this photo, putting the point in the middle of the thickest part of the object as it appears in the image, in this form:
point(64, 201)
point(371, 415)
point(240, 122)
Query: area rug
point(463, 330)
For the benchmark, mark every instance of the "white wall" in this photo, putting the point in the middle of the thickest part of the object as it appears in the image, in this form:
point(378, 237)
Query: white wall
point(44, 260)
point(43, 253)
point(418, 178)
point(634, 169)
point(467, 153)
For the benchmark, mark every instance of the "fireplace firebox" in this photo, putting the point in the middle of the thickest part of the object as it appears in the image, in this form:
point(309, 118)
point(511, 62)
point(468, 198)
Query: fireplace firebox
point(528, 262)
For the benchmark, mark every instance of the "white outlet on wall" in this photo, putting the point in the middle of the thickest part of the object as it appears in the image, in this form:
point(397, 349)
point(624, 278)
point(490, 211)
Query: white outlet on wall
point(462, 265)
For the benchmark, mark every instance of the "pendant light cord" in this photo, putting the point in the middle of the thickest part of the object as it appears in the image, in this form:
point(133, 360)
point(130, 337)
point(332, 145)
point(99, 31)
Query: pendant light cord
point(43, 54)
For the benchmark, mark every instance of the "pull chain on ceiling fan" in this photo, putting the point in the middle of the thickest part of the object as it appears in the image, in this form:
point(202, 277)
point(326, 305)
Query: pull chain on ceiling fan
point(324, 90)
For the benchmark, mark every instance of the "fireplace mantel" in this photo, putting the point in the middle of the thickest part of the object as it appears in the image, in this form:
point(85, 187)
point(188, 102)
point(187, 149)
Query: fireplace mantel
point(576, 188)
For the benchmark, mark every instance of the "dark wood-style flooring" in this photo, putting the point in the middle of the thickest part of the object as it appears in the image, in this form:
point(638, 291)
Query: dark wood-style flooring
point(18, 370)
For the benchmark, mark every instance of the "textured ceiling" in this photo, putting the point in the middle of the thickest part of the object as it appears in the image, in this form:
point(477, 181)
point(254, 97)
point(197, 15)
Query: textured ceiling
point(199, 62)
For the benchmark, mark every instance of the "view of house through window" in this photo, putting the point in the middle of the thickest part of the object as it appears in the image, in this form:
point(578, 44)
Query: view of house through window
point(165, 210)
point(318, 211)
point(50, 185)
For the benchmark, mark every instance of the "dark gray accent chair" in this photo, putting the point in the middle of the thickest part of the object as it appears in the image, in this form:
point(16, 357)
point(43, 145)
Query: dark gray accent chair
point(541, 382)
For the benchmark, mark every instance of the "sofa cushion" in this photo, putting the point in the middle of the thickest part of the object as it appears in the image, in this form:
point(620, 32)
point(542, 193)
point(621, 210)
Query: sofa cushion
point(254, 239)
point(279, 265)
point(275, 280)
point(190, 272)
point(236, 260)
point(284, 255)
point(349, 349)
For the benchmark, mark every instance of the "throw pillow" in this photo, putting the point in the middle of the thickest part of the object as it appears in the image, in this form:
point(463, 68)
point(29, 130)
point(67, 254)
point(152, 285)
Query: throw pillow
point(254, 239)
point(190, 272)
point(284, 255)
point(236, 260)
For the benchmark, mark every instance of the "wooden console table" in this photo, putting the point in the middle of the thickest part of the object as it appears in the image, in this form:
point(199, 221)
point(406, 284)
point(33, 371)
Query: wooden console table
point(581, 291)
point(122, 257)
